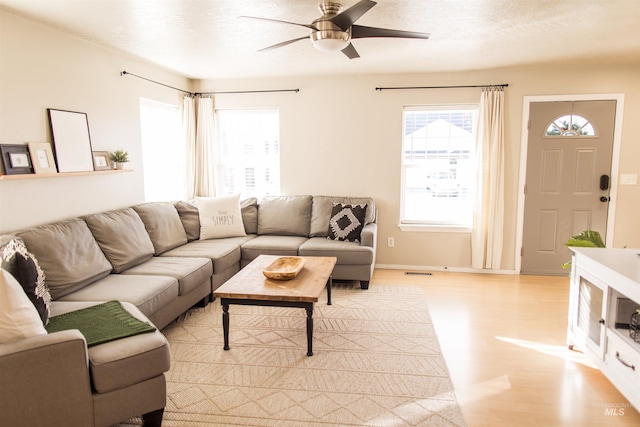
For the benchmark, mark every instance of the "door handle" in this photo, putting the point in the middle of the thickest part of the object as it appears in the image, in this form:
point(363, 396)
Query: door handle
point(605, 199)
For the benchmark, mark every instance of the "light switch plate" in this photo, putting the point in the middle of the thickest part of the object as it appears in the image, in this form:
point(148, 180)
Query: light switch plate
point(628, 179)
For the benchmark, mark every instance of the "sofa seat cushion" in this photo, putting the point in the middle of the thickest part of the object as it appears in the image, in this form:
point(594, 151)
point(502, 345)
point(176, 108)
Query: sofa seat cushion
point(272, 245)
point(224, 253)
point(68, 254)
point(148, 293)
point(127, 361)
point(122, 237)
point(346, 252)
point(190, 272)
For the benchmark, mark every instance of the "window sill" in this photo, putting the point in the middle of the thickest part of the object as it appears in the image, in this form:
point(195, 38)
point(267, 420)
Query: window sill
point(433, 228)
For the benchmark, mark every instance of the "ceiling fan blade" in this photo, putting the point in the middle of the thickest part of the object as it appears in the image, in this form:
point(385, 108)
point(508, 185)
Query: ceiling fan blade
point(275, 46)
point(359, 32)
point(280, 22)
point(346, 19)
point(351, 52)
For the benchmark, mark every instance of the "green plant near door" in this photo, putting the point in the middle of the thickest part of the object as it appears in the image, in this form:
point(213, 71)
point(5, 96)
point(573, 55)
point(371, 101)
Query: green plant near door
point(586, 239)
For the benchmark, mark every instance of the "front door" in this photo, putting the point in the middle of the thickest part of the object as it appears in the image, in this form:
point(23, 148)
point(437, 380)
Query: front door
point(570, 145)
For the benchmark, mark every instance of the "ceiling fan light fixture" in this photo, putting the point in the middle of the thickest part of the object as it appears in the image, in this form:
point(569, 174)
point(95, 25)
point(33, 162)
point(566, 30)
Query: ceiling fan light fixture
point(330, 40)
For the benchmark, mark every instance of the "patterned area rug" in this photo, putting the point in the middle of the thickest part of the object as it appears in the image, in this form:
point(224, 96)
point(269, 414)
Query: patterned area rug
point(376, 362)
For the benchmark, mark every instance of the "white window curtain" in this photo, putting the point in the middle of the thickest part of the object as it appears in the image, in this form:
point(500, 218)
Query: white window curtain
point(488, 218)
point(189, 129)
point(204, 148)
point(198, 124)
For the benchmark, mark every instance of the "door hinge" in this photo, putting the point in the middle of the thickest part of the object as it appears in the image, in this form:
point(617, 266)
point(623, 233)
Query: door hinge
point(525, 189)
point(529, 124)
point(522, 251)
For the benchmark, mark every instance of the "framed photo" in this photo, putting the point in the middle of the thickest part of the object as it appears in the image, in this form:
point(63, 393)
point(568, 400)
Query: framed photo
point(15, 158)
point(70, 135)
point(42, 157)
point(101, 161)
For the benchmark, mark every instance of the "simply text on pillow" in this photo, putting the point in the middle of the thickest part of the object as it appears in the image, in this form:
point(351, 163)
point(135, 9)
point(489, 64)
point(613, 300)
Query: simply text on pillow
point(220, 217)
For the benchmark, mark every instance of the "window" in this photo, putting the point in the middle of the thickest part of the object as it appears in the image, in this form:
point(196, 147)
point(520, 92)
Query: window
point(248, 146)
point(570, 125)
point(163, 151)
point(438, 166)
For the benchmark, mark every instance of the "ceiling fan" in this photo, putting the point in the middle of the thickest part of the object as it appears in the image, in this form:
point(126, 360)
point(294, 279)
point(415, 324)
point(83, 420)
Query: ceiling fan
point(335, 29)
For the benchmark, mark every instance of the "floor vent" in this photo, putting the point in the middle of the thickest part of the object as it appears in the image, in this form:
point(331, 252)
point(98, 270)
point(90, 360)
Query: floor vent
point(416, 273)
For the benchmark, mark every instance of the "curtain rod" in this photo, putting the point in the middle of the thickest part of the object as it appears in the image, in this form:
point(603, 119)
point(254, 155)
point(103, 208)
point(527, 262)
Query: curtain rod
point(124, 73)
point(439, 87)
point(248, 91)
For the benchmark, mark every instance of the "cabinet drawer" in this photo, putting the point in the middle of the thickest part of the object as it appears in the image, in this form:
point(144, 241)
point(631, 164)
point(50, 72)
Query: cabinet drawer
point(622, 361)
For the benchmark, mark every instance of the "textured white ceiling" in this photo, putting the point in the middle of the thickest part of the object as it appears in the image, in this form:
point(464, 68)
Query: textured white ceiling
point(206, 38)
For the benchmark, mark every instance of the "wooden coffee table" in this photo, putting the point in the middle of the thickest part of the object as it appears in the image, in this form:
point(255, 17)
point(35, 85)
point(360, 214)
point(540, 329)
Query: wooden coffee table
point(250, 287)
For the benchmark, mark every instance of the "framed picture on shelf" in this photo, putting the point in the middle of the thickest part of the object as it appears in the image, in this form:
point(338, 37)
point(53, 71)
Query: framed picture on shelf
point(42, 157)
point(71, 140)
point(101, 161)
point(16, 160)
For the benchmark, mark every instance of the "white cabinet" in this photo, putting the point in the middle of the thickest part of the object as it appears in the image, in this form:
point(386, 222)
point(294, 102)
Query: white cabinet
point(605, 291)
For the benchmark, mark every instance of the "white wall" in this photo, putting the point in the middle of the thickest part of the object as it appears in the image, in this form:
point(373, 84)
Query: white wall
point(41, 68)
point(339, 136)
point(342, 137)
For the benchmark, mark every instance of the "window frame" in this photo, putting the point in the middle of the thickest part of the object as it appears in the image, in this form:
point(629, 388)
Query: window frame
point(430, 225)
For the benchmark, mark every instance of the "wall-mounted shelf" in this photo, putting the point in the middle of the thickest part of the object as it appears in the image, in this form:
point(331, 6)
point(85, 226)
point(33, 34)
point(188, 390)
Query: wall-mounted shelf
point(59, 175)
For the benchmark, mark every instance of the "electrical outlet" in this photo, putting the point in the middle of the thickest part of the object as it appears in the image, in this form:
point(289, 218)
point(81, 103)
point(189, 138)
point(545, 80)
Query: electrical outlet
point(391, 242)
point(628, 179)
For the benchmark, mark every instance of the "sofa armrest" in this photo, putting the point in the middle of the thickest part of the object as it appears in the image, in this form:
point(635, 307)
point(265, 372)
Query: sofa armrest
point(44, 381)
point(369, 235)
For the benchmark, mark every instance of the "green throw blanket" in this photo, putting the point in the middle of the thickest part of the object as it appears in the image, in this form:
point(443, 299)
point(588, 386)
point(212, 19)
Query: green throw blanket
point(100, 323)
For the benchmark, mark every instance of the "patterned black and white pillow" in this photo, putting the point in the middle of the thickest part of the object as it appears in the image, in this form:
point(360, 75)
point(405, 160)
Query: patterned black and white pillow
point(347, 222)
point(28, 273)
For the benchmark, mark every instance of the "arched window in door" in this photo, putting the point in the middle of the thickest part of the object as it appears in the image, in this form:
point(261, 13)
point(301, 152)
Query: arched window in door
point(570, 125)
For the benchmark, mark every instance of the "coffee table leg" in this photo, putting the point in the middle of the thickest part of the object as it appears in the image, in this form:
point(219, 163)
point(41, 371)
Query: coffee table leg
point(225, 323)
point(329, 284)
point(309, 330)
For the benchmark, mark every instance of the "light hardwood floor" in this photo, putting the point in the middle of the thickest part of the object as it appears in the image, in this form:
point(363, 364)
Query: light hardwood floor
point(504, 341)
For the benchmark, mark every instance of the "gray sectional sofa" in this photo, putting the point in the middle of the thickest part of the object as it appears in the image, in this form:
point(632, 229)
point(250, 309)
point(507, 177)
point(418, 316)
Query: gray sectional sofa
point(151, 258)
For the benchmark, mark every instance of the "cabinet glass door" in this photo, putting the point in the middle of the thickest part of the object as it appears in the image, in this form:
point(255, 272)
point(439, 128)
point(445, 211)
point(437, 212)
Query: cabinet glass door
point(590, 308)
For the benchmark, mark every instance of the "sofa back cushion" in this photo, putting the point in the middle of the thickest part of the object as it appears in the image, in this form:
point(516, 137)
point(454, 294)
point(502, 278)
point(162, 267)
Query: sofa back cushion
point(122, 237)
point(163, 225)
point(190, 217)
point(285, 215)
point(321, 212)
point(249, 208)
point(68, 254)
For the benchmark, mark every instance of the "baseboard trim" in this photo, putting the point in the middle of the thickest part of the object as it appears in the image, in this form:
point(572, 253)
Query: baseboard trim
point(441, 268)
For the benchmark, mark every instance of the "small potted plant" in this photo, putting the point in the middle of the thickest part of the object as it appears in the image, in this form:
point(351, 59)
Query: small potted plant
point(120, 158)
